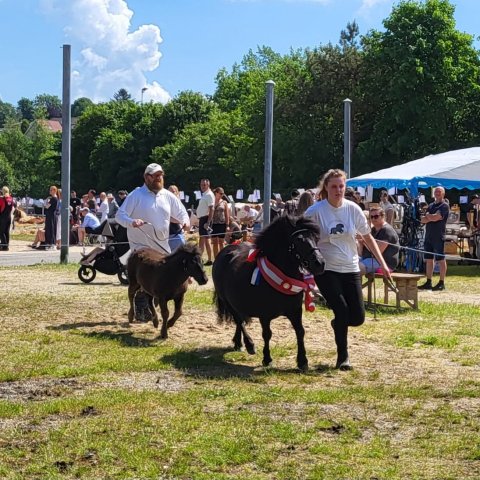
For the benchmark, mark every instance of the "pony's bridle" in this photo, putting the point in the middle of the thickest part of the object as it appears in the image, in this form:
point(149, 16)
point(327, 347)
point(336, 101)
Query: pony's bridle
point(293, 248)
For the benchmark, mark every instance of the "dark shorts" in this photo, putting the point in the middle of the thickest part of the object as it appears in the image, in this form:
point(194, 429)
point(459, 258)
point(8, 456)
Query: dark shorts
point(437, 246)
point(94, 231)
point(202, 221)
point(219, 230)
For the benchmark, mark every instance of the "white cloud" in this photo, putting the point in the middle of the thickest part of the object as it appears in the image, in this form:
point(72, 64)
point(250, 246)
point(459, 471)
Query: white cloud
point(106, 54)
point(368, 6)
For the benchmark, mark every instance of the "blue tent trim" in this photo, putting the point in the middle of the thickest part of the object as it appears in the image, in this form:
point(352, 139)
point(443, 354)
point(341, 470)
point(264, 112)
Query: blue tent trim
point(415, 183)
point(454, 169)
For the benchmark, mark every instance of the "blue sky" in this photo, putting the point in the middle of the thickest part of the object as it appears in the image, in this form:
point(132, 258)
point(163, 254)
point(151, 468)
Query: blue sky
point(165, 45)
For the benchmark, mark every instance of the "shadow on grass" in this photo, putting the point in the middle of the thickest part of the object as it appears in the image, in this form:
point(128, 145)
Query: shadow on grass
point(113, 283)
point(211, 363)
point(207, 363)
point(123, 336)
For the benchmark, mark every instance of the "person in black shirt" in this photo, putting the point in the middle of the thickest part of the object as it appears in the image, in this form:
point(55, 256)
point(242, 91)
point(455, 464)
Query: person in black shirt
point(435, 221)
point(75, 203)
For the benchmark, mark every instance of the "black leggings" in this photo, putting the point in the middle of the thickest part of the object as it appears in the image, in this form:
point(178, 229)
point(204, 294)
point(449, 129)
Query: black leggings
point(5, 223)
point(343, 293)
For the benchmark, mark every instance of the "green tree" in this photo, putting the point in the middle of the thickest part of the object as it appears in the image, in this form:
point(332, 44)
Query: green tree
point(47, 106)
point(7, 111)
point(122, 95)
point(419, 80)
point(80, 105)
point(26, 109)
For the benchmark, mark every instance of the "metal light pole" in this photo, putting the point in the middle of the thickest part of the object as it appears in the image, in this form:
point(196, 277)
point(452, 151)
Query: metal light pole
point(347, 143)
point(267, 177)
point(144, 89)
point(66, 144)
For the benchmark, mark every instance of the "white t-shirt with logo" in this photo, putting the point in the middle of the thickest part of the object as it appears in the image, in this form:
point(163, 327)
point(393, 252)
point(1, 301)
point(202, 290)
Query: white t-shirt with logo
point(338, 227)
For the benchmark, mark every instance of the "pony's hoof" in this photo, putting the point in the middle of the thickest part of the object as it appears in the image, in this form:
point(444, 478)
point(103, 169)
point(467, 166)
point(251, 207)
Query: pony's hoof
point(163, 335)
point(303, 368)
point(155, 322)
point(344, 364)
point(267, 364)
point(237, 348)
point(250, 349)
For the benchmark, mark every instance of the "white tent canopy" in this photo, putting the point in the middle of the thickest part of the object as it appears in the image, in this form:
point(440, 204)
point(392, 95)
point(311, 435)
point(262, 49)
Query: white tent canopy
point(454, 169)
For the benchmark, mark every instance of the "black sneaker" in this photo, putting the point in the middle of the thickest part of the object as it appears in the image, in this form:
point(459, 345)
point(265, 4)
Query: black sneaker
point(440, 286)
point(207, 264)
point(426, 286)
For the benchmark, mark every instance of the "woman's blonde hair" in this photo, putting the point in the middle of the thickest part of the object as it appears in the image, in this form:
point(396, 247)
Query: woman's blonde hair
point(174, 190)
point(6, 191)
point(332, 173)
point(55, 189)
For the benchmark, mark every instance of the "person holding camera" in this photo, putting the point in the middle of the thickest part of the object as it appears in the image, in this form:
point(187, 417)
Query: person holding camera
point(205, 217)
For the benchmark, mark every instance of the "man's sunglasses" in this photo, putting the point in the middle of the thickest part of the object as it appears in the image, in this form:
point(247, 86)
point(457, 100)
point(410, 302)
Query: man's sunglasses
point(375, 216)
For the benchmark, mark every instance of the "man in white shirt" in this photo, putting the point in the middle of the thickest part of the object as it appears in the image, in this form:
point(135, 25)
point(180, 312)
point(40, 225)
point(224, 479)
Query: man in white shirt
point(205, 216)
point(146, 214)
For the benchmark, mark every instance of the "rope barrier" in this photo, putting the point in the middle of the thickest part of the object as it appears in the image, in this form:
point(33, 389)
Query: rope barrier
point(401, 247)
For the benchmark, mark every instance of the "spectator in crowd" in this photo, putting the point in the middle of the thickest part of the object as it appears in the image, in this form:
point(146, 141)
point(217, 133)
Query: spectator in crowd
point(176, 236)
point(39, 238)
point(435, 221)
point(359, 200)
point(75, 204)
point(276, 207)
point(90, 225)
point(122, 195)
point(50, 207)
point(84, 201)
point(112, 206)
point(205, 217)
point(146, 214)
point(306, 200)
point(340, 221)
point(103, 207)
point(292, 204)
point(58, 213)
point(92, 195)
point(473, 212)
point(387, 240)
point(387, 207)
point(220, 220)
point(350, 194)
point(6, 212)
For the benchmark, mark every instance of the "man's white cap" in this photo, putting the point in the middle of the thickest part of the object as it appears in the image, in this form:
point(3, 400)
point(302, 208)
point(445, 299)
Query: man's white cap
point(153, 168)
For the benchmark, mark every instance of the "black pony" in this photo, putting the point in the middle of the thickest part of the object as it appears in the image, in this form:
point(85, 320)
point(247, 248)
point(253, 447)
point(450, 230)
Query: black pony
point(290, 244)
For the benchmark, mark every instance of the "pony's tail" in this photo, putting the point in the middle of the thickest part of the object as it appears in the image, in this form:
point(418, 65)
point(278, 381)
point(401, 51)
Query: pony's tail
point(224, 315)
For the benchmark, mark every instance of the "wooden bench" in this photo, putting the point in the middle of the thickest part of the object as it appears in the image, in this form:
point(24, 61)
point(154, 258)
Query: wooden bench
point(407, 290)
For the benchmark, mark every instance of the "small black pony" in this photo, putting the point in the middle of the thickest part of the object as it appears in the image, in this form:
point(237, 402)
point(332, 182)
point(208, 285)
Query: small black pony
point(163, 278)
point(290, 244)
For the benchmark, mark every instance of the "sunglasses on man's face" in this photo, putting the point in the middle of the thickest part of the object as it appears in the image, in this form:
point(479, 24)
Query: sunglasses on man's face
point(374, 217)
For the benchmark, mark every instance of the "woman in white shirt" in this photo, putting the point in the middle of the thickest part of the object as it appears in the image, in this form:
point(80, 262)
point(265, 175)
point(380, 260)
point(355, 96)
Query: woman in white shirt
point(340, 220)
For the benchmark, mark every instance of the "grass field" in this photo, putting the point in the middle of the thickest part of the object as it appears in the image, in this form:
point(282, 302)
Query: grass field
point(85, 395)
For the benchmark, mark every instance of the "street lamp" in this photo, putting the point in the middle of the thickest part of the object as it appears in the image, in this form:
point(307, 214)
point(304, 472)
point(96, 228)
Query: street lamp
point(144, 89)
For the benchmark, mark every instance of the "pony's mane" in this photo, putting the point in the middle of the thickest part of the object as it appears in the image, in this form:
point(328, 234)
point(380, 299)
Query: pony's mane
point(189, 247)
point(278, 232)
